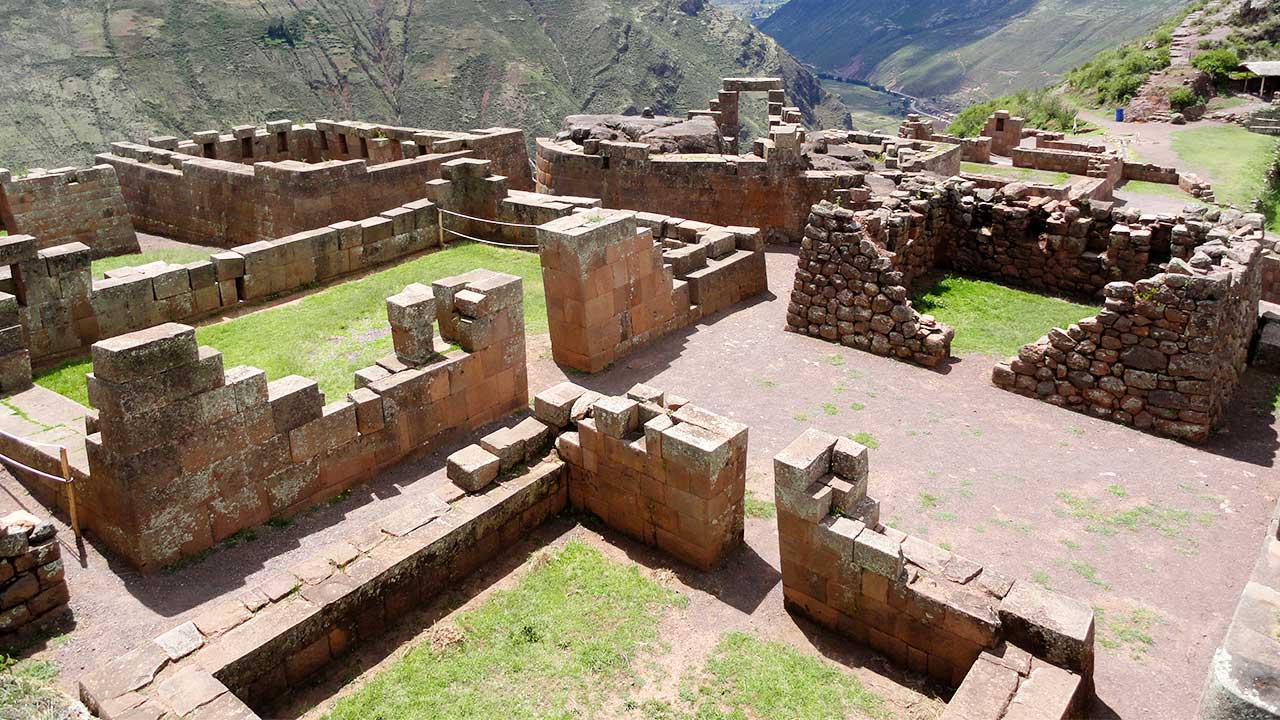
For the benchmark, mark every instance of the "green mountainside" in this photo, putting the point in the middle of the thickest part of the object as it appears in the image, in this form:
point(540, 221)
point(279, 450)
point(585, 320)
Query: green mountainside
point(961, 50)
point(80, 74)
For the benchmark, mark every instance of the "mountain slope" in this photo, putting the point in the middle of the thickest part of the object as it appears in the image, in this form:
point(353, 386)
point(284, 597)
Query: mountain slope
point(962, 49)
point(82, 73)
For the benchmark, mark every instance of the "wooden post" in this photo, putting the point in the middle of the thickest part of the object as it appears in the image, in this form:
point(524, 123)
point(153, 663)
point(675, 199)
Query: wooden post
point(71, 490)
point(440, 211)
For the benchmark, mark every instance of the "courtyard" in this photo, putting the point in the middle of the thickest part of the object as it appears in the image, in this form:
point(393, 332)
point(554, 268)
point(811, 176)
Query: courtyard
point(1119, 519)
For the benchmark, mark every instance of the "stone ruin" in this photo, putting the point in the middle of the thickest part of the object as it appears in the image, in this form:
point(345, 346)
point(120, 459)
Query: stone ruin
point(650, 464)
point(1006, 645)
point(33, 588)
point(69, 205)
point(1165, 354)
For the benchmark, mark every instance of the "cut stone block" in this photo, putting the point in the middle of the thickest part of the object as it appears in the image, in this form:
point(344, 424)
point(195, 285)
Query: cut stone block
point(616, 416)
point(181, 641)
point(1049, 625)
point(472, 468)
point(554, 405)
point(849, 461)
point(144, 353)
point(805, 460)
point(879, 554)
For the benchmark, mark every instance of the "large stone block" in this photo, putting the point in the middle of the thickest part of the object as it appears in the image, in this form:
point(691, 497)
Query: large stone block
point(806, 460)
point(144, 353)
point(1049, 625)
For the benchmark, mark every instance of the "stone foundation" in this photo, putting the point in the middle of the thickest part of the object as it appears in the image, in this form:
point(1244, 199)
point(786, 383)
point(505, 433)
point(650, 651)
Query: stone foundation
point(240, 657)
point(1001, 641)
point(69, 205)
point(184, 453)
point(33, 588)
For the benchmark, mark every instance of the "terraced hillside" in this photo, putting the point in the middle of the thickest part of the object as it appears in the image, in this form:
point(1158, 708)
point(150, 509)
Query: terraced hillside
point(82, 73)
point(958, 49)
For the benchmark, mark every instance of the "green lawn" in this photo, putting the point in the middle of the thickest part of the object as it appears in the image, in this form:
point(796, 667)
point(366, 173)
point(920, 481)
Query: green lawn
point(330, 334)
point(1232, 158)
point(1016, 173)
point(1142, 187)
point(559, 644)
point(175, 255)
point(992, 319)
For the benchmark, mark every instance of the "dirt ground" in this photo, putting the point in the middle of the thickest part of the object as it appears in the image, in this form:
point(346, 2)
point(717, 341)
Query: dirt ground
point(1144, 528)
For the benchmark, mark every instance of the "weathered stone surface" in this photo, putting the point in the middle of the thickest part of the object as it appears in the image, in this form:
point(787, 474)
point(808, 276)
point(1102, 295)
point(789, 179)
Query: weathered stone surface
point(473, 468)
point(1049, 625)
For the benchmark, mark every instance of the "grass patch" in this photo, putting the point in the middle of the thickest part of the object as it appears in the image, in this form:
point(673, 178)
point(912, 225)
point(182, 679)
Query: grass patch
point(1234, 158)
point(1040, 108)
point(1041, 578)
point(1152, 189)
point(1130, 631)
point(27, 691)
point(865, 439)
point(175, 255)
point(554, 646)
point(754, 507)
point(747, 677)
point(1016, 173)
point(1089, 573)
point(830, 409)
point(1170, 522)
point(929, 500)
point(330, 334)
point(992, 319)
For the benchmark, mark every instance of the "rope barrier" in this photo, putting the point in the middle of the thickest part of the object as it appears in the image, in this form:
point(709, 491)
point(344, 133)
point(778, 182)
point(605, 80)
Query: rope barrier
point(66, 478)
point(40, 473)
point(487, 221)
point(487, 242)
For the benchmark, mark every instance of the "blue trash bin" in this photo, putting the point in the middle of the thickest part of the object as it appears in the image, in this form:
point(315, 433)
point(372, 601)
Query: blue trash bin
point(1120, 115)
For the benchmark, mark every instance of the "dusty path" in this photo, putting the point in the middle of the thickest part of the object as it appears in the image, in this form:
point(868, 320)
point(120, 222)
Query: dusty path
point(1140, 526)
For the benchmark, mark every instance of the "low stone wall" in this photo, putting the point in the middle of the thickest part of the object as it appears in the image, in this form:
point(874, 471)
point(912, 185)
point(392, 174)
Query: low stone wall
point(1005, 131)
point(851, 287)
point(69, 205)
point(1105, 165)
point(925, 608)
point(1165, 353)
point(33, 588)
point(975, 149)
point(1244, 675)
point(688, 468)
point(610, 290)
point(184, 453)
point(64, 309)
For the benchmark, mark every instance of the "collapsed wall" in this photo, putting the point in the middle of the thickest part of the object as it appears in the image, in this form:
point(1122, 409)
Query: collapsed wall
point(33, 587)
point(191, 192)
point(857, 269)
point(184, 453)
point(68, 205)
point(1002, 642)
point(1165, 353)
point(677, 485)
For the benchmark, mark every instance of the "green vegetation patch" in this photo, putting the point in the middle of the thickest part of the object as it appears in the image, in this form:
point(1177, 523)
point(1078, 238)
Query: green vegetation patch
point(992, 319)
point(1040, 108)
point(330, 334)
point(1165, 190)
point(1126, 631)
point(174, 255)
point(1232, 157)
point(1169, 522)
point(1016, 173)
point(27, 691)
point(557, 645)
point(754, 507)
point(751, 678)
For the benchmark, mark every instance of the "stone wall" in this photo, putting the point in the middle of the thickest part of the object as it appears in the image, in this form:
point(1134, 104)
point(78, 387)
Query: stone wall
point(765, 192)
point(609, 288)
point(688, 467)
point(1005, 132)
point(64, 309)
point(33, 588)
point(925, 608)
point(15, 358)
point(653, 467)
point(975, 149)
point(184, 453)
point(851, 287)
point(69, 205)
point(1164, 354)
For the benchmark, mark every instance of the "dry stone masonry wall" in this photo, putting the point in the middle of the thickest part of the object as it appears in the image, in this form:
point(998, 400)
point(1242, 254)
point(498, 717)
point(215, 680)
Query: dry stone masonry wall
point(33, 588)
point(184, 453)
point(69, 205)
point(1003, 642)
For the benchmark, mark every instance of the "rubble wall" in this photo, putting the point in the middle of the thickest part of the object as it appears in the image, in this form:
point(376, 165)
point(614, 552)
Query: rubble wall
point(64, 309)
point(184, 453)
point(616, 280)
point(1165, 353)
point(69, 205)
point(33, 587)
point(925, 608)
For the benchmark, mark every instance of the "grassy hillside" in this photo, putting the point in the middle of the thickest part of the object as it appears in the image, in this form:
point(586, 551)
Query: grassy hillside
point(82, 73)
point(964, 50)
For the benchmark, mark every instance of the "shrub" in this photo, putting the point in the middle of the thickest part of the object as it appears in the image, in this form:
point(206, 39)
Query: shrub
point(1182, 98)
point(1039, 108)
point(1114, 76)
point(1218, 64)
